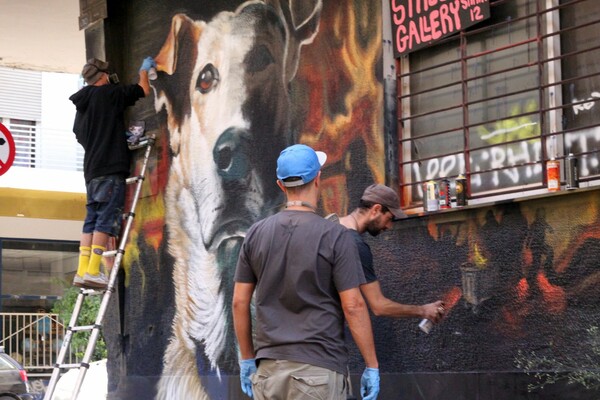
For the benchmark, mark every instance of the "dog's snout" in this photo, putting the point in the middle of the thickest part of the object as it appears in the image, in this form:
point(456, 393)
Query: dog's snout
point(230, 154)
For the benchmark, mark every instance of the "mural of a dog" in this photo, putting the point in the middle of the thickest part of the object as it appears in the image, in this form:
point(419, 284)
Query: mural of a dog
point(224, 86)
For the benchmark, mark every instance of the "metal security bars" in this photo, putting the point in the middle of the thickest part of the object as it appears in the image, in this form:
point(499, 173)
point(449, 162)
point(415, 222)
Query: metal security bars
point(46, 148)
point(497, 101)
point(34, 339)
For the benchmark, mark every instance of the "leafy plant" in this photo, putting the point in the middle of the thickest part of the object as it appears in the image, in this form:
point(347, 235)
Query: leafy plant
point(550, 369)
point(87, 316)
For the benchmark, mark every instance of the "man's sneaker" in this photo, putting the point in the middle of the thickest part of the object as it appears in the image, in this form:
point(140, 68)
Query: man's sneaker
point(95, 281)
point(78, 281)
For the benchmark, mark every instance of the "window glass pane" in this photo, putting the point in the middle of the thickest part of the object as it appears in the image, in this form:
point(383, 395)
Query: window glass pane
point(33, 269)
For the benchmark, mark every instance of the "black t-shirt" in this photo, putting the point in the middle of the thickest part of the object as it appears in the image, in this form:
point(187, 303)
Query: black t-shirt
point(366, 256)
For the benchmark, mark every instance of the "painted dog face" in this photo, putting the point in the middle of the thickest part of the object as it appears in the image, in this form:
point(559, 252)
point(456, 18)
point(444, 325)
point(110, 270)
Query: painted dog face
point(224, 85)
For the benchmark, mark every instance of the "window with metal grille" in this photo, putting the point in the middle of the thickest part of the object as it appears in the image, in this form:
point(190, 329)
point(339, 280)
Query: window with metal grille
point(499, 100)
point(24, 134)
point(44, 148)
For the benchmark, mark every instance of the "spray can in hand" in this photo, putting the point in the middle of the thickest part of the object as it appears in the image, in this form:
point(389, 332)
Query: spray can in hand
point(425, 325)
point(152, 74)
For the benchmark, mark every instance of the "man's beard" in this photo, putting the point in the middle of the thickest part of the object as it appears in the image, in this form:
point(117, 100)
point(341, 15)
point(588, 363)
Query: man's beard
point(373, 228)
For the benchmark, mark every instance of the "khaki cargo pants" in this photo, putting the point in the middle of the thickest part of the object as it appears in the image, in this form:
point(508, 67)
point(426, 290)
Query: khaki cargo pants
point(281, 379)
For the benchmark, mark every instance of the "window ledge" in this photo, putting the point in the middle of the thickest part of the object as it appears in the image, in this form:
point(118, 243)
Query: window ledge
point(418, 212)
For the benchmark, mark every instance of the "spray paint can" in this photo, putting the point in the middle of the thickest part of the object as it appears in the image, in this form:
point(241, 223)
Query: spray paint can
point(425, 325)
point(445, 193)
point(431, 200)
point(553, 175)
point(452, 193)
point(152, 75)
point(461, 191)
point(571, 172)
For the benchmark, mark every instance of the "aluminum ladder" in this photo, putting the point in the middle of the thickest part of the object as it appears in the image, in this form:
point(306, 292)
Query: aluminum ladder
point(84, 365)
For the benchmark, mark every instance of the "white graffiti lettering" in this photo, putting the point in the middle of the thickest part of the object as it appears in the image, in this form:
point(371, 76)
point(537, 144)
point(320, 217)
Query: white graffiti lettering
point(496, 160)
point(588, 105)
point(585, 141)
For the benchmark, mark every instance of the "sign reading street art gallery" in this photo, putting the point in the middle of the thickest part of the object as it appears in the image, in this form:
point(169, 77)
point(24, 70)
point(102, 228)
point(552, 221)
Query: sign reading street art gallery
point(420, 23)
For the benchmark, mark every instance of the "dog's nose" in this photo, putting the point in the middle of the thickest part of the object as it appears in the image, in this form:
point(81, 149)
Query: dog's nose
point(231, 154)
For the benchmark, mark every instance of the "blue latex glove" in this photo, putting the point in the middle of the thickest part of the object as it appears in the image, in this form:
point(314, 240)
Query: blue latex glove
point(147, 64)
point(247, 368)
point(369, 384)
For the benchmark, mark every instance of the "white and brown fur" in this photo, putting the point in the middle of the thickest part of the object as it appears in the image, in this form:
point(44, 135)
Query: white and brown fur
point(224, 86)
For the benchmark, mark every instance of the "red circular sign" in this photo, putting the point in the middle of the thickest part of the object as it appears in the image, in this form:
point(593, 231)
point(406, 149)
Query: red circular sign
point(7, 149)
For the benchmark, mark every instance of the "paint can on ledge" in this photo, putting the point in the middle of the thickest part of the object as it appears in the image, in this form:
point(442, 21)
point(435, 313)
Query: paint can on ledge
point(553, 175)
point(571, 172)
point(431, 196)
point(461, 191)
point(445, 193)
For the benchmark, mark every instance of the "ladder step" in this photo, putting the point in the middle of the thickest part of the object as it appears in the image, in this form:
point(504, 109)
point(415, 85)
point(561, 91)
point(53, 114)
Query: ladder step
point(78, 365)
point(82, 328)
point(133, 179)
point(92, 292)
point(110, 253)
point(143, 142)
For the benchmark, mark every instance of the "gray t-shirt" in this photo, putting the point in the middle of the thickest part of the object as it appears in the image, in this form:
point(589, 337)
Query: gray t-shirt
point(299, 262)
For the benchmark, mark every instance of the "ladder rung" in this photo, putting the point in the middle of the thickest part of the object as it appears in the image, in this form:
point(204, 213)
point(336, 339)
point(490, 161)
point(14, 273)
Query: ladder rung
point(78, 365)
point(92, 292)
point(82, 328)
point(110, 253)
point(145, 141)
point(133, 179)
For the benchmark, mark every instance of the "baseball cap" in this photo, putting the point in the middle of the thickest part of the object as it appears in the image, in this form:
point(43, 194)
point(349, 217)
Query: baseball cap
point(93, 70)
point(386, 196)
point(299, 161)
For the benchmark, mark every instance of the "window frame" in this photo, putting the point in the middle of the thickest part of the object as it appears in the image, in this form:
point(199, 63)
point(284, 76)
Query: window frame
point(547, 40)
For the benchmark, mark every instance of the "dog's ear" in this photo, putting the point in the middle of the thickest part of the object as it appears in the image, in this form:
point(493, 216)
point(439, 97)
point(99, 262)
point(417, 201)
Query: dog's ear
point(302, 18)
point(176, 59)
point(182, 29)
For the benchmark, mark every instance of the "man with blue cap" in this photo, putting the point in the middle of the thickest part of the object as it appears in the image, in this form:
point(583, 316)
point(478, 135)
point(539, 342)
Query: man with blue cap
point(305, 274)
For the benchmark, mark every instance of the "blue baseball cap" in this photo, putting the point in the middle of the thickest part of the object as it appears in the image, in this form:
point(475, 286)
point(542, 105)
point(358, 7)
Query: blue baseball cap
point(299, 161)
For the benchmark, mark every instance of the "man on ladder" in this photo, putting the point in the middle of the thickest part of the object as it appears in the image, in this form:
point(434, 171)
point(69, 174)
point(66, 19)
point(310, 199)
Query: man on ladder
point(100, 128)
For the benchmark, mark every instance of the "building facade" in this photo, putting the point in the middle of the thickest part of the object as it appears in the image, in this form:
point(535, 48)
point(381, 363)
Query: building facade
point(396, 92)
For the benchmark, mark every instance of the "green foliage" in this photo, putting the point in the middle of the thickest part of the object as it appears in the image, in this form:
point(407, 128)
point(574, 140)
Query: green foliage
point(585, 370)
point(89, 311)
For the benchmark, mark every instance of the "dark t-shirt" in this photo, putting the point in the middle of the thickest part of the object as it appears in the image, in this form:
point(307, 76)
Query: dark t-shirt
point(366, 256)
point(299, 262)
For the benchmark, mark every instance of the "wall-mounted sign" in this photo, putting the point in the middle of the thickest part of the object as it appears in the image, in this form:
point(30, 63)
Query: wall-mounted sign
point(7, 149)
point(91, 11)
point(420, 23)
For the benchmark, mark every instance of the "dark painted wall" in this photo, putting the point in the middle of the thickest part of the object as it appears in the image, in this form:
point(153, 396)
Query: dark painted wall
point(519, 276)
point(234, 88)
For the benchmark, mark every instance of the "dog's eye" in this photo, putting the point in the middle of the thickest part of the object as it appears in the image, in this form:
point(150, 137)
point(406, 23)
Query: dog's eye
point(208, 78)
